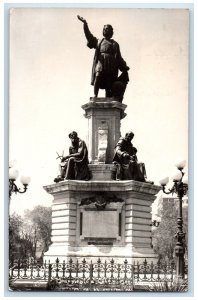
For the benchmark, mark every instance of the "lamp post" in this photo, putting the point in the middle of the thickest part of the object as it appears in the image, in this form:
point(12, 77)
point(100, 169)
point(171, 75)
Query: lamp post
point(25, 180)
point(154, 223)
point(180, 188)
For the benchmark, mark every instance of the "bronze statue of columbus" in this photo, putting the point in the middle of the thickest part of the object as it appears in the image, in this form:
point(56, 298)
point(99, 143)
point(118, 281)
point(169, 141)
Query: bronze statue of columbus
point(107, 62)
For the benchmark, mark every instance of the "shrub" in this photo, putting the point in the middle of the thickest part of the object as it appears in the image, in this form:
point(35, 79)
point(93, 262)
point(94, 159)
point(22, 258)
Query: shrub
point(166, 286)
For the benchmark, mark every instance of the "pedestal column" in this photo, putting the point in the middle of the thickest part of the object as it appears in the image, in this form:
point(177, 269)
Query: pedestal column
point(103, 114)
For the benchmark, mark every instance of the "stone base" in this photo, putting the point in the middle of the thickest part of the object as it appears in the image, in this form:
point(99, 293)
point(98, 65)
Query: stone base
point(92, 253)
point(102, 171)
point(106, 219)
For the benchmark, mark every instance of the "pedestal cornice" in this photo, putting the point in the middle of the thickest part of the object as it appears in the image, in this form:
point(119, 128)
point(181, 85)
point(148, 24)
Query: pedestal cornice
point(103, 104)
point(97, 186)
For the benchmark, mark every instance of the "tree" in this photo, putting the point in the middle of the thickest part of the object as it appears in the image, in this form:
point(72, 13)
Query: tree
point(28, 232)
point(38, 227)
point(15, 225)
point(164, 236)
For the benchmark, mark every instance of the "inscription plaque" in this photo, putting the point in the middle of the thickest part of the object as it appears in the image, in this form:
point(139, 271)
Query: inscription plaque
point(100, 224)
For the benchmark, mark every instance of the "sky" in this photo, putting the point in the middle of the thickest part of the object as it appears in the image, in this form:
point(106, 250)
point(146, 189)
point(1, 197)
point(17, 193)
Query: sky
point(50, 72)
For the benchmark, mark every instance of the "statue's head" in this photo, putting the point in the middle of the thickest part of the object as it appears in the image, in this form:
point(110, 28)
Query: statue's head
point(73, 136)
point(108, 31)
point(129, 136)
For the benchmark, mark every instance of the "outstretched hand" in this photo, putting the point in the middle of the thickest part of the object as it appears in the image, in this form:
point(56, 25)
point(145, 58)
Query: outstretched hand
point(81, 19)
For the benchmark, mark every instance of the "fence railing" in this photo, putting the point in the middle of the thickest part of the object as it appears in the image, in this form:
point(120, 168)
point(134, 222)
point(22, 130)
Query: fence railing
point(84, 275)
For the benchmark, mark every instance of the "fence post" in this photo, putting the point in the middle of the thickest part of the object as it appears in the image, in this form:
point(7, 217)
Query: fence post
point(18, 267)
point(77, 268)
point(31, 268)
point(133, 275)
point(152, 269)
point(145, 269)
point(50, 273)
point(57, 269)
point(83, 269)
point(105, 269)
point(90, 275)
point(138, 271)
point(38, 271)
point(98, 267)
point(64, 268)
point(125, 269)
point(70, 271)
point(25, 268)
point(44, 270)
point(111, 271)
point(118, 277)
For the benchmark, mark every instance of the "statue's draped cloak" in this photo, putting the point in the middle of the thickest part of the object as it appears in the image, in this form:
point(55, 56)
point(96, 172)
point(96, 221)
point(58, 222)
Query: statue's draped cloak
point(93, 42)
point(80, 161)
point(128, 169)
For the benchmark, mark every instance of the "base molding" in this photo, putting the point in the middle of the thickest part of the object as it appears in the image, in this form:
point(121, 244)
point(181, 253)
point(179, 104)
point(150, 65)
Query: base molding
point(93, 253)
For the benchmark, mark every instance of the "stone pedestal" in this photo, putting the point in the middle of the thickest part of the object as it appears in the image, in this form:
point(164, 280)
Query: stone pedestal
point(102, 171)
point(104, 115)
point(101, 218)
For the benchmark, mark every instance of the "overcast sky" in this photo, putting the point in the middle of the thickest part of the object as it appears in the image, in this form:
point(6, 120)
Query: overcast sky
point(50, 71)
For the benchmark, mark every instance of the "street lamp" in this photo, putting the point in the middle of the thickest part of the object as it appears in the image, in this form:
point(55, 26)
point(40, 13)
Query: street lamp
point(25, 180)
point(154, 223)
point(180, 188)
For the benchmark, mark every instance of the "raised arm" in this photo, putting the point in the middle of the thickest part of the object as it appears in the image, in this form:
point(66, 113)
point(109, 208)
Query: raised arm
point(91, 40)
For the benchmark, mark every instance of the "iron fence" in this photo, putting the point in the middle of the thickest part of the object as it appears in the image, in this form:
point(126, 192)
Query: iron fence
point(75, 275)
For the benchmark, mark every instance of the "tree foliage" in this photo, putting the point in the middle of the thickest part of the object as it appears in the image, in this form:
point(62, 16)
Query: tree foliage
point(30, 233)
point(164, 236)
point(15, 225)
point(38, 226)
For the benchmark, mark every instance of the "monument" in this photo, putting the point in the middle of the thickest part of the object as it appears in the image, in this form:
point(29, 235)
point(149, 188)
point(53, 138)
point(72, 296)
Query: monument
point(106, 213)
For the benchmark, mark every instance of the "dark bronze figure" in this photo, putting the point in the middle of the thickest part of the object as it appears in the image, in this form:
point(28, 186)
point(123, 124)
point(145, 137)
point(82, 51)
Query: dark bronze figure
point(107, 63)
point(128, 167)
point(75, 165)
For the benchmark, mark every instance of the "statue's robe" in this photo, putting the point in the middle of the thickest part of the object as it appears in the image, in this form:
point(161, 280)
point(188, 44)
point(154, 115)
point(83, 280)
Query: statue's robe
point(76, 168)
point(128, 169)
